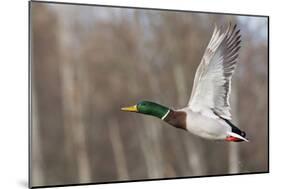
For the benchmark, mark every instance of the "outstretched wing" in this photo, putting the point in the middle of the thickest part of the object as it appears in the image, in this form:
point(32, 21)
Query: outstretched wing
point(212, 82)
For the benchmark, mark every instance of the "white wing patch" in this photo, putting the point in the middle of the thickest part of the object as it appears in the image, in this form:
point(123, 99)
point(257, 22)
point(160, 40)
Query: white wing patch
point(212, 82)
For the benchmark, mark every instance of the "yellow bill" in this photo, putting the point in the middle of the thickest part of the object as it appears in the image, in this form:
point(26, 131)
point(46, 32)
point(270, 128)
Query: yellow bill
point(130, 108)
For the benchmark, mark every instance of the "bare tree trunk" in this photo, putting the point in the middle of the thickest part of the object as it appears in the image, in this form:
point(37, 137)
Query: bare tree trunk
point(153, 152)
point(73, 109)
point(37, 177)
point(73, 125)
point(233, 156)
point(117, 146)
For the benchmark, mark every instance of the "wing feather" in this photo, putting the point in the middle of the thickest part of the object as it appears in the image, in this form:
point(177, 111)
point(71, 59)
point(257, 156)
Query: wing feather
point(212, 82)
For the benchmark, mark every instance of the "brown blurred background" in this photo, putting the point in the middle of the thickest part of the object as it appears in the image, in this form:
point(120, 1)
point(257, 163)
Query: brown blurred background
point(89, 61)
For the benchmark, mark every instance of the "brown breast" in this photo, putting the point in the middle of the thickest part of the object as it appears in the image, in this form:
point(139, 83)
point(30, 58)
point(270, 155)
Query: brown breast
point(176, 119)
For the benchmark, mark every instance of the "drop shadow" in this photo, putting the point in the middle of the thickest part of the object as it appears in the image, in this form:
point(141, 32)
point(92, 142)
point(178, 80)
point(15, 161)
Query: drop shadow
point(23, 183)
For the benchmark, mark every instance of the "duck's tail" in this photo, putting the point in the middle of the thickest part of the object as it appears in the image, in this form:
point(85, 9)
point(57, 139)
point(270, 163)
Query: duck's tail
point(236, 134)
point(235, 137)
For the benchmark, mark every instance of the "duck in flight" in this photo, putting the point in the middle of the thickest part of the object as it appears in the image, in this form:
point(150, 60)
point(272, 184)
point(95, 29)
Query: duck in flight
point(208, 112)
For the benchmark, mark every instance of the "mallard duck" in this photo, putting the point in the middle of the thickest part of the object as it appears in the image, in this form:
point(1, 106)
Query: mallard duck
point(208, 112)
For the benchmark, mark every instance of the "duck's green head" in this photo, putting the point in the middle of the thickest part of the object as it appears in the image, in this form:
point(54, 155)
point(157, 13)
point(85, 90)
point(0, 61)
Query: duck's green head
point(150, 108)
